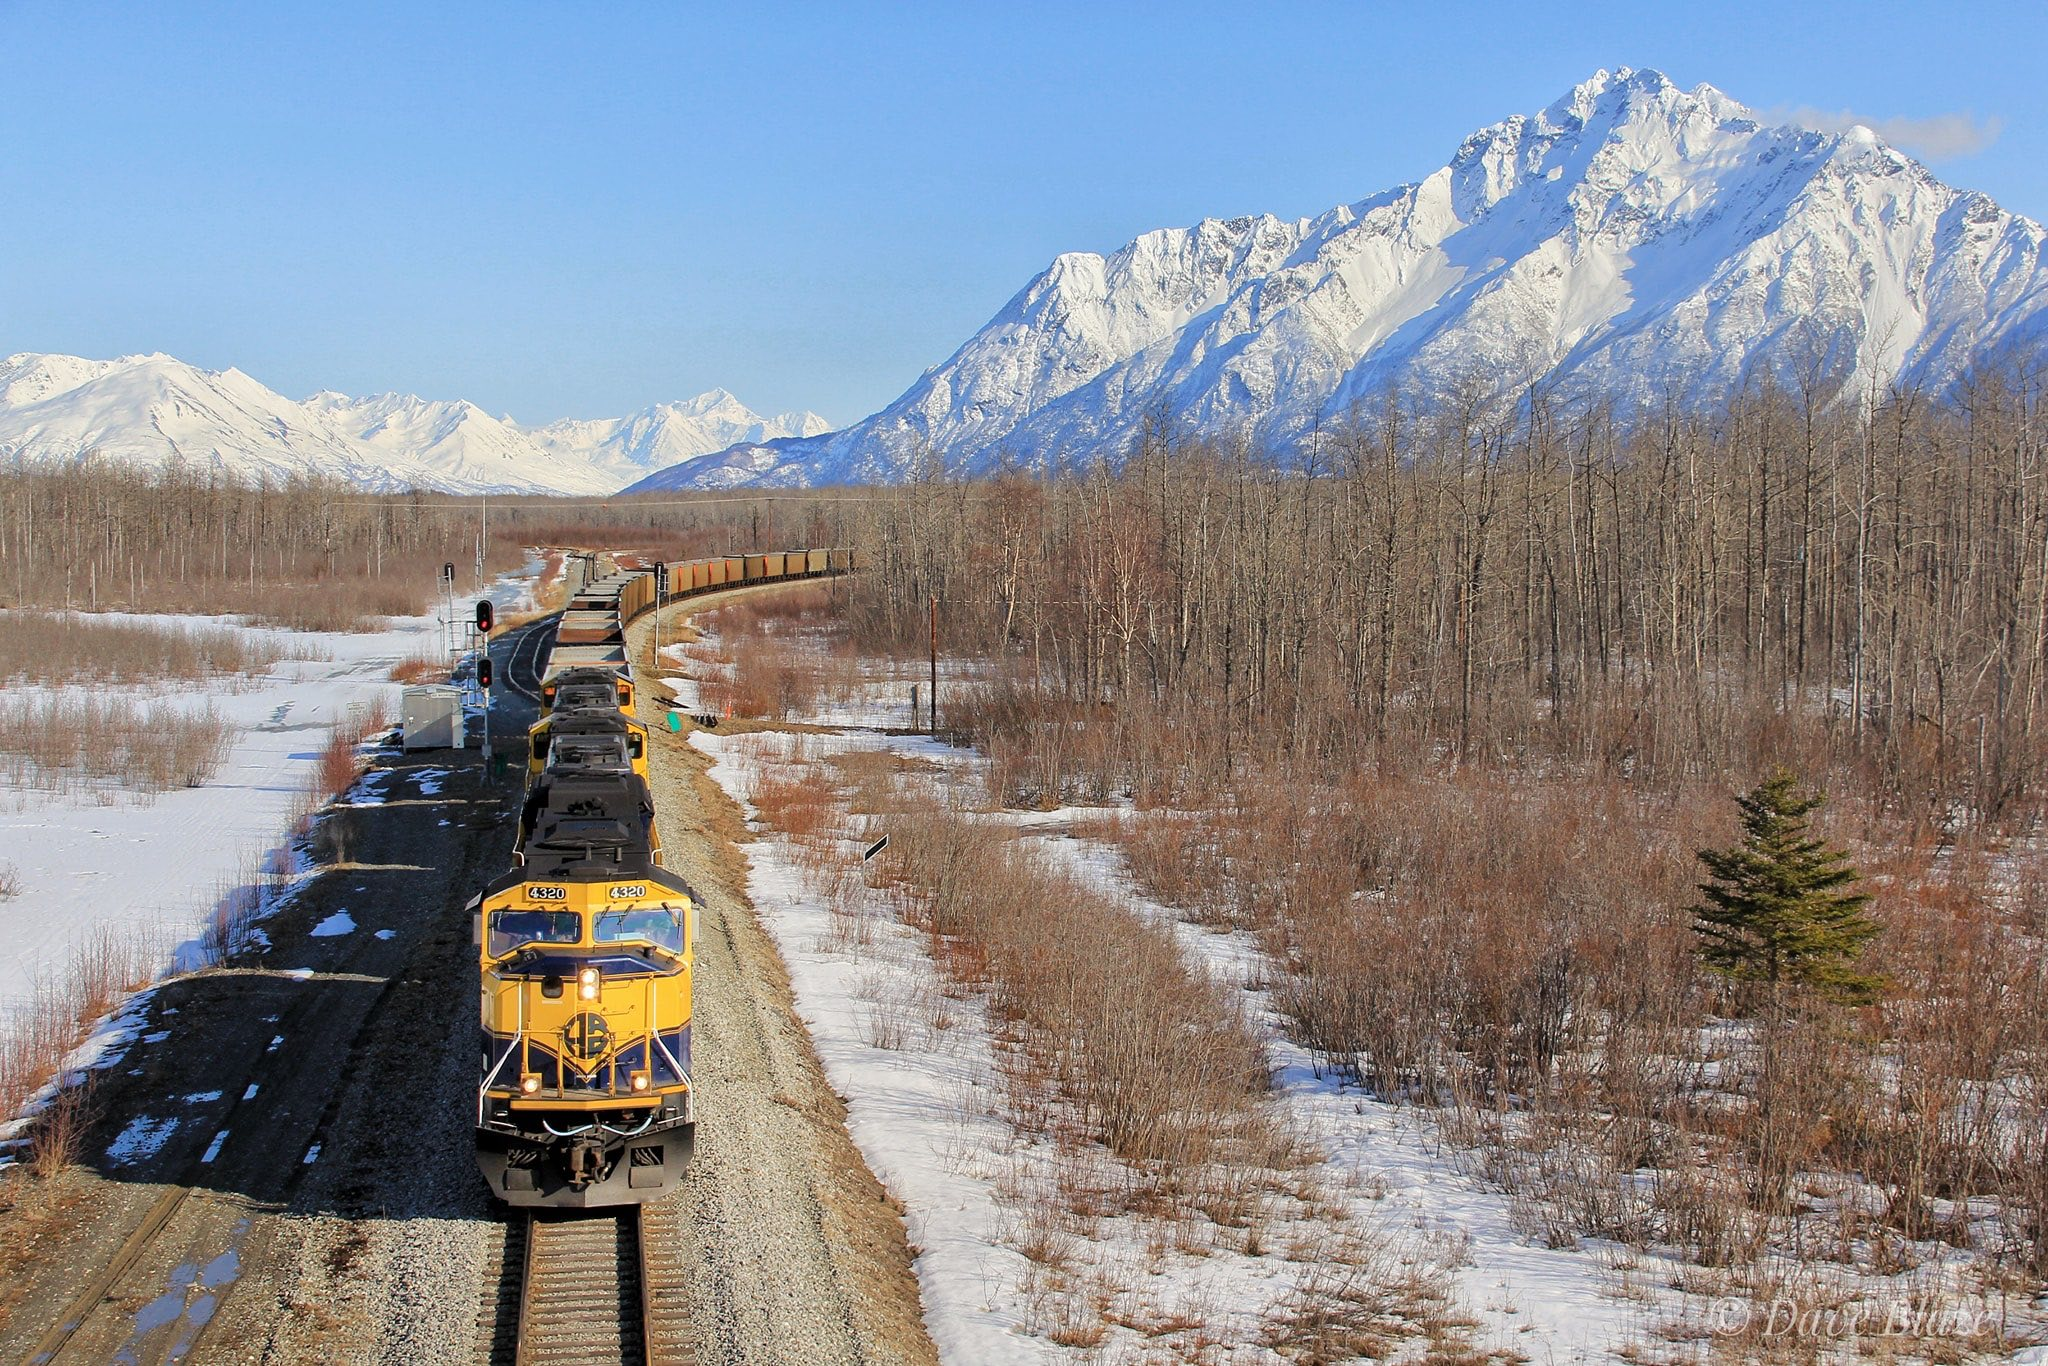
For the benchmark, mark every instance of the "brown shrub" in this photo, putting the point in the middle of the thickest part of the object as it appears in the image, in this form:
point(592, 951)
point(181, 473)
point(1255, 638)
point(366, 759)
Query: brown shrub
point(771, 679)
point(60, 1013)
point(64, 647)
point(339, 763)
point(420, 669)
point(800, 804)
point(1157, 1057)
point(68, 742)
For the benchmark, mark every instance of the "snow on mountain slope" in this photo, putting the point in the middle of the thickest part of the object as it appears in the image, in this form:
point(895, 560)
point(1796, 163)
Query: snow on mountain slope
point(149, 410)
point(658, 437)
point(464, 445)
point(1629, 238)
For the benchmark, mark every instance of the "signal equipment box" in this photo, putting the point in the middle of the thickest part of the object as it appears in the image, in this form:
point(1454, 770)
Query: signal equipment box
point(431, 717)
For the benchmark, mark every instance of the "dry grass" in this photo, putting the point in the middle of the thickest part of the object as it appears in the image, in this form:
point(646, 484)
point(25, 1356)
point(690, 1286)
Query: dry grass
point(776, 672)
point(10, 882)
point(61, 1011)
point(75, 742)
point(343, 604)
point(1156, 1057)
point(421, 669)
point(62, 647)
point(340, 761)
point(1517, 954)
point(1133, 1078)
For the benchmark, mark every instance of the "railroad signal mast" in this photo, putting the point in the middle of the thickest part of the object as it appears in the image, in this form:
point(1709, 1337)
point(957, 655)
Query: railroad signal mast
point(485, 618)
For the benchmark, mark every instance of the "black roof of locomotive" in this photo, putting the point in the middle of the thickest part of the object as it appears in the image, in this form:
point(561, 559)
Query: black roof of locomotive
point(585, 752)
point(589, 673)
point(582, 814)
point(590, 721)
point(585, 696)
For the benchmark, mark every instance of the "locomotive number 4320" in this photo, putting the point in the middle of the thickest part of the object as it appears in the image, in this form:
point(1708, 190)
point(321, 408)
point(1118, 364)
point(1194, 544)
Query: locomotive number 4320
point(542, 892)
point(624, 890)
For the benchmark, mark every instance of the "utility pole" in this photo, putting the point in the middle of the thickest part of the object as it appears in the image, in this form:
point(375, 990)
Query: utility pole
point(660, 595)
point(933, 701)
point(448, 637)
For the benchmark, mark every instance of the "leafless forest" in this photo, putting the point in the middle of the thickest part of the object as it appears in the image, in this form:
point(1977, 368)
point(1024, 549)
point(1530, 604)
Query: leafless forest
point(1442, 715)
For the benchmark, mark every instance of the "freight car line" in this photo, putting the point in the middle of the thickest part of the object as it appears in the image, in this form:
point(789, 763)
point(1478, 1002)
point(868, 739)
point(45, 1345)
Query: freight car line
point(593, 1289)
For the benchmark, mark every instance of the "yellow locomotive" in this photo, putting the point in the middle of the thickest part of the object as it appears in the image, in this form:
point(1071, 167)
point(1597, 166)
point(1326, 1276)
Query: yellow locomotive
point(586, 732)
point(586, 685)
point(585, 951)
point(586, 957)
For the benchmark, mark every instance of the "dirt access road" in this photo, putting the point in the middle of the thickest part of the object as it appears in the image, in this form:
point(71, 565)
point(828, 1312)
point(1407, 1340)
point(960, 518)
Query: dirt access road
point(298, 1182)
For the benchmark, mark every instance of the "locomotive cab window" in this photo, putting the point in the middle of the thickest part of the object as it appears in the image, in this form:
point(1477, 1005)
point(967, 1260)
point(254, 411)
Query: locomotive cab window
point(657, 925)
point(510, 929)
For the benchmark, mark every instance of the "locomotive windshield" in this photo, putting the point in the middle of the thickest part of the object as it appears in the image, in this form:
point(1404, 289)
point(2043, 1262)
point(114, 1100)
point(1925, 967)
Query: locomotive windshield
point(655, 924)
point(510, 929)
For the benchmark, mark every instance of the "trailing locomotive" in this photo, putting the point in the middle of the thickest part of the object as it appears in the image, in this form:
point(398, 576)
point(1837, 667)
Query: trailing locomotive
point(583, 733)
point(587, 945)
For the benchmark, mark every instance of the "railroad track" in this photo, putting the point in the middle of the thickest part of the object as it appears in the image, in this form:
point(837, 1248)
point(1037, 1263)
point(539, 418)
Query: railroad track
point(599, 1287)
point(530, 646)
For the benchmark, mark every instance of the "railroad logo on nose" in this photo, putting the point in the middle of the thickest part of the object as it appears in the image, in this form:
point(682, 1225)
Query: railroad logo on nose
point(587, 1035)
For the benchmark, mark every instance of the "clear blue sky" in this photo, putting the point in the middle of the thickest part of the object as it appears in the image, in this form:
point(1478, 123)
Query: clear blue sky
point(575, 210)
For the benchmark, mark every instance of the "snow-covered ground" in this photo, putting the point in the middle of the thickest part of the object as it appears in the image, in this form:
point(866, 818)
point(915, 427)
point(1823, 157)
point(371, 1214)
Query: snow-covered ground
point(920, 1068)
point(154, 867)
point(924, 1112)
point(922, 1115)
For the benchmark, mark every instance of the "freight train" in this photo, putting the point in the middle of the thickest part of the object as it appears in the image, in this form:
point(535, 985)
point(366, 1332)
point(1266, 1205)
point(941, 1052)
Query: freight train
point(587, 944)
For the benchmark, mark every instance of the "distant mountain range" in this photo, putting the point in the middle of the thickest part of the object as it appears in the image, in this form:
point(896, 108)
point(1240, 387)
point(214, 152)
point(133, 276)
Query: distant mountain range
point(150, 410)
point(1632, 238)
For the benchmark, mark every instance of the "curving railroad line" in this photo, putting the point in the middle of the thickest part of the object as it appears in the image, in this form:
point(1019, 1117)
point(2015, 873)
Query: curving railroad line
point(533, 646)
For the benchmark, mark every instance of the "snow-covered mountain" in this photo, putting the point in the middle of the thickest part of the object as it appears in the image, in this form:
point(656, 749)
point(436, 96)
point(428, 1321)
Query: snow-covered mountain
point(149, 410)
point(658, 437)
point(1631, 237)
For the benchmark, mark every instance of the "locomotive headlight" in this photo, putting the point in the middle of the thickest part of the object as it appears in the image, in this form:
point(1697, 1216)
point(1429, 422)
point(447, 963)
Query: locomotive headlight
point(641, 1081)
point(529, 1082)
point(586, 984)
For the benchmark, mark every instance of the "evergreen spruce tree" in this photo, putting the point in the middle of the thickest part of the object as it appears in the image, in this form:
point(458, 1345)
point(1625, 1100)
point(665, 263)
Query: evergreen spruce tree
point(1781, 909)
